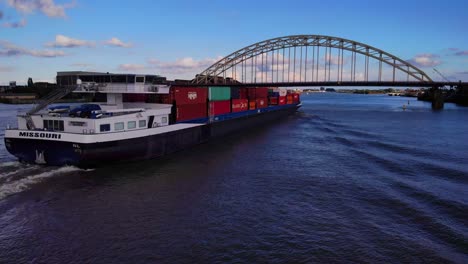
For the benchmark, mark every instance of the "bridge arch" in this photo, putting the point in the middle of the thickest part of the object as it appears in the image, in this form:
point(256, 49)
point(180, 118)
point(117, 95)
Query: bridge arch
point(247, 60)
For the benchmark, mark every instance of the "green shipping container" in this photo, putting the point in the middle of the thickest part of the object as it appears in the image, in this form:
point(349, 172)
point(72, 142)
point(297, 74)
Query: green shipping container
point(219, 93)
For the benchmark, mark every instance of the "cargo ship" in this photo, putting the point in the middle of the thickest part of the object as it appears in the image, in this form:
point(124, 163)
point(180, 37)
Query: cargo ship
point(136, 117)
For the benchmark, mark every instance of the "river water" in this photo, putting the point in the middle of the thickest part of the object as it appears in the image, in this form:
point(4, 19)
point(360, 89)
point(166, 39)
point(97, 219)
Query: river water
point(349, 178)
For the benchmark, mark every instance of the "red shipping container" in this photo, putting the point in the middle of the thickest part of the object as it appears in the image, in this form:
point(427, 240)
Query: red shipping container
point(243, 93)
point(282, 100)
point(262, 102)
point(189, 95)
point(261, 92)
point(239, 105)
point(252, 105)
point(251, 93)
point(220, 107)
point(273, 100)
point(296, 98)
point(190, 111)
point(289, 97)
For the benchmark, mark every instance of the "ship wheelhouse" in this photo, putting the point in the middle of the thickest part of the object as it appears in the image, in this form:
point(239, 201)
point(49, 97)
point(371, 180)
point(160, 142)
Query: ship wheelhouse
point(111, 83)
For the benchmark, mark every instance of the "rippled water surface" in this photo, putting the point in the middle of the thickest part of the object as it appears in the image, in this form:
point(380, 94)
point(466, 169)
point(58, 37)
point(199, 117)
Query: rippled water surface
point(349, 178)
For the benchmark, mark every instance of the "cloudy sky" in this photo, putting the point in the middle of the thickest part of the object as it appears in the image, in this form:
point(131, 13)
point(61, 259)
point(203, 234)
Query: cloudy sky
point(179, 38)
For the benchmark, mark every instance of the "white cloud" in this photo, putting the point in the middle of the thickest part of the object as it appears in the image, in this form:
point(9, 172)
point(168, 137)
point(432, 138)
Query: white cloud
point(47, 7)
point(183, 68)
point(183, 65)
point(131, 67)
point(8, 49)
point(18, 24)
point(425, 60)
point(117, 43)
point(62, 41)
point(180, 68)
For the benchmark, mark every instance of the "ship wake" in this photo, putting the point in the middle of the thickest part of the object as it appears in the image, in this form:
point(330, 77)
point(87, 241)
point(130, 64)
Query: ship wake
point(16, 177)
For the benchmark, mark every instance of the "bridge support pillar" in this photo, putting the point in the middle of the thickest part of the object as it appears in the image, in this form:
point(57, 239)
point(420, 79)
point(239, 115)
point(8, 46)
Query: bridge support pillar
point(437, 98)
point(461, 96)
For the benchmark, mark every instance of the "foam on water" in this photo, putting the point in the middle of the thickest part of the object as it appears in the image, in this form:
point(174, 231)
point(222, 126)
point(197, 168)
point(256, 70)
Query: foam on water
point(26, 182)
point(10, 164)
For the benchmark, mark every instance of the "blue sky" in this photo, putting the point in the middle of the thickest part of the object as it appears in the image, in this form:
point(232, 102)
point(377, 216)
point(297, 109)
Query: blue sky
point(180, 38)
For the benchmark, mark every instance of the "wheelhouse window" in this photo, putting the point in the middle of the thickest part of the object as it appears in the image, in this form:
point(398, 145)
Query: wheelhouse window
point(87, 78)
point(104, 127)
point(142, 123)
point(53, 125)
point(149, 79)
point(140, 79)
point(119, 78)
point(119, 126)
point(131, 124)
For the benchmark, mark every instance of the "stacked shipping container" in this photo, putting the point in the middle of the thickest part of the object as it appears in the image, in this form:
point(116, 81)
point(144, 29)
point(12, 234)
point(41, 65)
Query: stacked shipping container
point(258, 97)
point(199, 102)
point(220, 100)
point(282, 100)
point(219, 93)
point(296, 98)
point(239, 105)
point(273, 100)
point(220, 107)
point(252, 105)
point(190, 102)
point(276, 96)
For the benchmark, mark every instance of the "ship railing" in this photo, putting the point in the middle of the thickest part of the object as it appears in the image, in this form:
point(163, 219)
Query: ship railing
point(99, 114)
point(48, 99)
point(9, 127)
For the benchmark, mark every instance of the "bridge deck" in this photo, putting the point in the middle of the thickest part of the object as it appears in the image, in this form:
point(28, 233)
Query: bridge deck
point(334, 84)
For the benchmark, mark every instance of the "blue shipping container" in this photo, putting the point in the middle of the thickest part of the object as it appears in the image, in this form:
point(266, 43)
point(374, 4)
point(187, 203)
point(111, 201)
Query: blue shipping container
point(235, 93)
